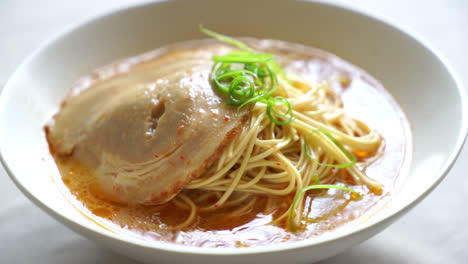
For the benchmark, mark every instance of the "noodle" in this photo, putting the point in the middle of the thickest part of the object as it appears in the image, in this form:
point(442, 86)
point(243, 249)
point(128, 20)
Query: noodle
point(268, 159)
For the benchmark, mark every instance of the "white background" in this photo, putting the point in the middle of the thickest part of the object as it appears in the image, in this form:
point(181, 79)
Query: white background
point(436, 231)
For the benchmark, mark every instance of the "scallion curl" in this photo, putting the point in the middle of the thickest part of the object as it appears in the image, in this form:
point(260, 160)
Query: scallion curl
point(273, 114)
point(314, 187)
point(246, 77)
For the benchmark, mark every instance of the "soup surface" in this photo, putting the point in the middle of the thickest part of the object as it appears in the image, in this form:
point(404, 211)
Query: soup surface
point(248, 221)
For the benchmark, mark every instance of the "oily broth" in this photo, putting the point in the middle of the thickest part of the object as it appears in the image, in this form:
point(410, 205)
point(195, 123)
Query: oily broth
point(324, 211)
point(220, 228)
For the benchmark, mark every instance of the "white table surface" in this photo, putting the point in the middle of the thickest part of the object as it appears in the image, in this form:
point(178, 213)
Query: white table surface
point(436, 231)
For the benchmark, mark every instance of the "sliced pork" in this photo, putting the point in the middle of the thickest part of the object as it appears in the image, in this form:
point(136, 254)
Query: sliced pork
point(148, 125)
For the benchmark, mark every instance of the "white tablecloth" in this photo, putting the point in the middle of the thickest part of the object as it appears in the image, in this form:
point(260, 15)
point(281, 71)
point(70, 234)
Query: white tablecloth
point(434, 232)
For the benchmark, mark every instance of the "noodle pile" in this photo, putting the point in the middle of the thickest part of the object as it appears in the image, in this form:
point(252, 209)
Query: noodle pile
point(272, 160)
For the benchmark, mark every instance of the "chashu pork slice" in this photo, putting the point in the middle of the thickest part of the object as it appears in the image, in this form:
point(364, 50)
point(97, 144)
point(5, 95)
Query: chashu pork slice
point(148, 125)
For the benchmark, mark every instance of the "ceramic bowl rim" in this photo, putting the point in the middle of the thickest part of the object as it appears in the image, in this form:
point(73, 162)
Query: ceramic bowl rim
point(252, 250)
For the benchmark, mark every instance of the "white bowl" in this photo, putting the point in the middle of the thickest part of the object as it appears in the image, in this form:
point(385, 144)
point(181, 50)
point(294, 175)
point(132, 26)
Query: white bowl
point(419, 79)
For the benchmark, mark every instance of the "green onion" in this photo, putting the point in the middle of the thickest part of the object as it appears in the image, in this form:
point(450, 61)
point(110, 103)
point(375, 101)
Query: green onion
point(312, 187)
point(226, 39)
point(272, 113)
point(338, 144)
point(316, 179)
point(255, 82)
